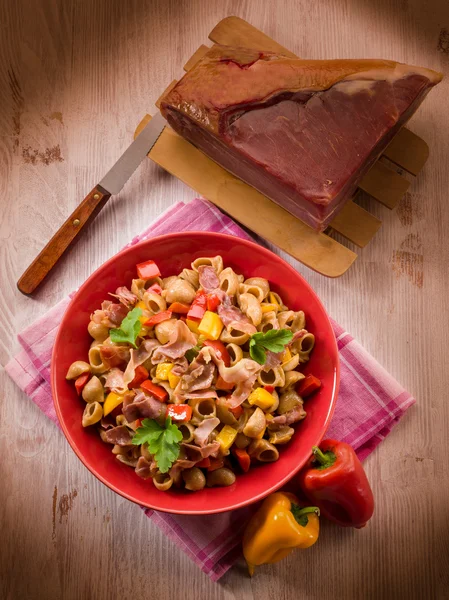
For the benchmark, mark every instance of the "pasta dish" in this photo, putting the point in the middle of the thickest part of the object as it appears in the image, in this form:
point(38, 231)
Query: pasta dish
point(195, 377)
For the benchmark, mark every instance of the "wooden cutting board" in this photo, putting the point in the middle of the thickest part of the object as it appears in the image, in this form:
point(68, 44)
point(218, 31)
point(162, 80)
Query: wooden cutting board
point(319, 251)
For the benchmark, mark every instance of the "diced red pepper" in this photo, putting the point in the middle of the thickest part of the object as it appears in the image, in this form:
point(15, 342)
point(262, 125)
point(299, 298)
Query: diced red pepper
point(156, 288)
point(158, 318)
point(203, 464)
point(308, 386)
point(198, 307)
point(269, 388)
point(220, 350)
point(138, 423)
point(179, 307)
point(155, 390)
point(221, 384)
point(148, 270)
point(243, 458)
point(215, 463)
point(80, 382)
point(213, 302)
point(237, 411)
point(140, 374)
point(179, 412)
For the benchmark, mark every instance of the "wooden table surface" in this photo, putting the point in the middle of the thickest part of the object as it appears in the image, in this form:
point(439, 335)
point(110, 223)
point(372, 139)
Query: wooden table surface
point(75, 79)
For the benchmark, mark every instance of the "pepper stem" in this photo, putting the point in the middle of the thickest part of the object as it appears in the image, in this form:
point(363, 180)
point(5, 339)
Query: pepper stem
point(307, 510)
point(324, 459)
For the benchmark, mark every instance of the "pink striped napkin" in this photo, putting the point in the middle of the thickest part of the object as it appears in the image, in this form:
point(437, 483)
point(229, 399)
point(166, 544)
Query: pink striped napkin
point(369, 404)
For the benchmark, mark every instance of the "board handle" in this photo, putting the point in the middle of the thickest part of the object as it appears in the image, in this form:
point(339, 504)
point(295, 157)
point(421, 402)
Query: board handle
point(49, 256)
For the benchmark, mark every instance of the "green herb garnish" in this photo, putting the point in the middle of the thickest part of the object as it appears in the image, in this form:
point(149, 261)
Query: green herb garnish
point(193, 352)
point(129, 329)
point(274, 340)
point(163, 441)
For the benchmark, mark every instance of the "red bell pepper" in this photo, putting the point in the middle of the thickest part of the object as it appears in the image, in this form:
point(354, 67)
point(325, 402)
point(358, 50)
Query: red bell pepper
point(237, 411)
point(198, 307)
point(140, 374)
point(156, 288)
point(215, 463)
point(221, 384)
point(179, 412)
point(213, 302)
point(269, 388)
point(179, 307)
point(155, 390)
point(80, 382)
point(220, 351)
point(334, 480)
point(203, 464)
point(243, 458)
point(308, 386)
point(158, 318)
point(148, 270)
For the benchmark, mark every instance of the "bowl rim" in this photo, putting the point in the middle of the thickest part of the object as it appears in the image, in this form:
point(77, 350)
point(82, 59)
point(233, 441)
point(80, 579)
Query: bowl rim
point(238, 504)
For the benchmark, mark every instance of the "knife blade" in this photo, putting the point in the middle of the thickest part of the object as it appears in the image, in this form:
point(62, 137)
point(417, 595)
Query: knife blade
point(111, 184)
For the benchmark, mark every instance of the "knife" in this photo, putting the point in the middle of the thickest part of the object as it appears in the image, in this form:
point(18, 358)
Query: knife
point(111, 184)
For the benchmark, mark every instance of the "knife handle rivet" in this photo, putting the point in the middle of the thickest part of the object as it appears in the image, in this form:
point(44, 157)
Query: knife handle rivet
point(75, 222)
point(96, 196)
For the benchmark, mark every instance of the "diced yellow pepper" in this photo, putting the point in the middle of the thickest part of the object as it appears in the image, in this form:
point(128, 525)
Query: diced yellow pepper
point(286, 356)
point(112, 401)
point(269, 307)
point(192, 325)
point(142, 306)
point(273, 300)
point(226, 437)
point(260, 397)
point(163, 371)
point(211, 325)
point(173, 380)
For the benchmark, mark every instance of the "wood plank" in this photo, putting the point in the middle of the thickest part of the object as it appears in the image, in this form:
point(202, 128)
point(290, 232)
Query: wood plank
point(384, 184)
point(408, 151)
point(356, 224)
point(241, 201)
point(196, 56)
point(234, 31)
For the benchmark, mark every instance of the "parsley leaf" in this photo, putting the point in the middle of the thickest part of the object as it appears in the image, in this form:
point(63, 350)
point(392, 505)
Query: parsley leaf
point(129, 329)
point(274, 340)
point(163, 441)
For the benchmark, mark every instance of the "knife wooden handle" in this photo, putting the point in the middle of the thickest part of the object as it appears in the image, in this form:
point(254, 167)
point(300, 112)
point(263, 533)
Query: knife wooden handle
point(49, 256)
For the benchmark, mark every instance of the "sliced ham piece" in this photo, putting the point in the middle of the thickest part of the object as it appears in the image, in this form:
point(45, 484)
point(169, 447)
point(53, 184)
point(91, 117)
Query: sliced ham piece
point(180, 366)
point(181, 339)
point(119, 435)
point(195, 453)
point(143, 406)
point(292, 416)
point(125, 297)
point(146, 469)
point(114, 355)
point(204, 429)
point(233, 318)
point(139, 356)
point(241, 392)
point(115, 381)
point(199, 375)
point(208, 278)
point(303, 132)
point(272, 361)
point(196, 395)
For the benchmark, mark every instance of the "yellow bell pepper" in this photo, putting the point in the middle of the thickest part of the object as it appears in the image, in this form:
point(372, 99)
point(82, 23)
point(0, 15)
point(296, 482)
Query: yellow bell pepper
point(112, 401)
point(286, 356)
point(211, 325)
point(269, 307)
point(260, 397)
point(277, 528)
point(192, 325)
point(272, 298)
point(226, 437)
point(173, 380)
point(163, 371)
point(142, 306)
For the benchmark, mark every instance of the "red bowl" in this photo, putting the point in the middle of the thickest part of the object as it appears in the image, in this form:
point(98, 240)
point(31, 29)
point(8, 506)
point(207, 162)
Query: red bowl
point(172, 253)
